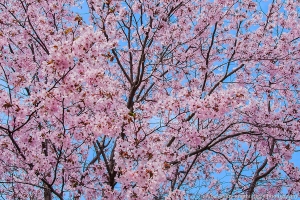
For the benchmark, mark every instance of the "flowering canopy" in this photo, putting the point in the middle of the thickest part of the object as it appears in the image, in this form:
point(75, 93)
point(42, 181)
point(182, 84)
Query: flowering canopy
point(148, 99)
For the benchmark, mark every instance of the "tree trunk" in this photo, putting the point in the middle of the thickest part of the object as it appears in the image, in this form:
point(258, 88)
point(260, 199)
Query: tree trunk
point(47, 193)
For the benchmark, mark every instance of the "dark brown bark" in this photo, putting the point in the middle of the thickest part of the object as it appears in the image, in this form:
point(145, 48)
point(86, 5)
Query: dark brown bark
point(47, 192)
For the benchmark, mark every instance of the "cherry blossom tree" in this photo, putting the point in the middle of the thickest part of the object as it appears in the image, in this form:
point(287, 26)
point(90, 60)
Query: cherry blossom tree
point(148, 99)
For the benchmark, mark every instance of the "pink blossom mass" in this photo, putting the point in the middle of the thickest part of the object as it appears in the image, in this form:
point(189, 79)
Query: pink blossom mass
point(149, 99)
